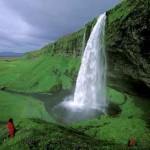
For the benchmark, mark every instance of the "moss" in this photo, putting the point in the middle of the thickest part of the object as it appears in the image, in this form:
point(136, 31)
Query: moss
point(18, 106)
point(44, 73)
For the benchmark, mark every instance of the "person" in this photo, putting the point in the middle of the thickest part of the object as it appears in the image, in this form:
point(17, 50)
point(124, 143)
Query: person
point(131, 143)
point(11, 128)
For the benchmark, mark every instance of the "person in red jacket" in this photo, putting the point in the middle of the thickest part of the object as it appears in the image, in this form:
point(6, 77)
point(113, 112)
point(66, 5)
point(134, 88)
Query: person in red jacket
point(11, 128)
point(131, 143)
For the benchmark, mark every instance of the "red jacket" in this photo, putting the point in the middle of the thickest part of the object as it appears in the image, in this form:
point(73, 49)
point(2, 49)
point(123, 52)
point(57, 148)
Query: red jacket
point(131, 143)
point(11, 127)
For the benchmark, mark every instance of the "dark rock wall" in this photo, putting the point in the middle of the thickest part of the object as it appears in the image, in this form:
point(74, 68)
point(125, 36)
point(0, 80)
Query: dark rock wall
point(128, 41)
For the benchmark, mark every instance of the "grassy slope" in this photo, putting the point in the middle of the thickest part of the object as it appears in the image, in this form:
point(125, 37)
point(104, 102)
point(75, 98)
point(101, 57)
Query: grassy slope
point(104, 133)
point(130, 123)
point(36, 134)
point(45, 73)
point(18, 106)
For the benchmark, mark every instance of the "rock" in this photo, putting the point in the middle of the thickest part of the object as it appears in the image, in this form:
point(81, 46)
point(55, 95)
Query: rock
point(128, 43)
point(2, 88)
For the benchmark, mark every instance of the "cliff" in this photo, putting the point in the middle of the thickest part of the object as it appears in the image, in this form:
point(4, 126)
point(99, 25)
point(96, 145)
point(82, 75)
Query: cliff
point(128, 43)
point(68, 45)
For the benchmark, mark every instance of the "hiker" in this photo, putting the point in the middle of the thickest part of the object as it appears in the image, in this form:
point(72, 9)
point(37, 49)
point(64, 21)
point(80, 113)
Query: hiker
point(131, 143)
point(11, 128)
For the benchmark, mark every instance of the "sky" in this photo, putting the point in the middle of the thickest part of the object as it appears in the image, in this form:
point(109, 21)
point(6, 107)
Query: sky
point(27, 25)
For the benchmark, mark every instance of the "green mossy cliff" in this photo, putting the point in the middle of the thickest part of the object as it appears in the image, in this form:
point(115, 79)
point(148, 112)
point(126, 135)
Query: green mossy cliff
point(69, 45)
point(128, 42)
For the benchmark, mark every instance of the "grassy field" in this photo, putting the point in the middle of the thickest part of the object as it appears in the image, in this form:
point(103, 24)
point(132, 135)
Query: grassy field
point(45, 73)
point(18, 106)
point(8, 58)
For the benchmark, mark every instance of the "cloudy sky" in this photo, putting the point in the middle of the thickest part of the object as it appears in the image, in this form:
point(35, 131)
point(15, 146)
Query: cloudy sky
point(30, 24)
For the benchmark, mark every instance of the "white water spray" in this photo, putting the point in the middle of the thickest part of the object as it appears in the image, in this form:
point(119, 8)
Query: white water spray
point(91, 82)
point(90, 91)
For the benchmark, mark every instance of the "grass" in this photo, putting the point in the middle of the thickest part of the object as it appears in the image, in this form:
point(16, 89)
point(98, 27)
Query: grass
point(121, 11)
point(57, 72)
point(126, 103)
point(45, 73)
point(108, 132)
point(18, 106)
point(120, 128)
point(36, 134)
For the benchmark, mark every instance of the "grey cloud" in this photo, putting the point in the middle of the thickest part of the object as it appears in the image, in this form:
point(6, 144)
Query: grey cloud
point(30, 24)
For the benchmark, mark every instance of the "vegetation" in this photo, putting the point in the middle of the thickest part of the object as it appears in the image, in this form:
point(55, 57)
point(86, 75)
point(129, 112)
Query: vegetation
point(36, 134)
point(107, 132)
point(130, 123)
point(45, 73)
point(18, 106)
point(127, 31)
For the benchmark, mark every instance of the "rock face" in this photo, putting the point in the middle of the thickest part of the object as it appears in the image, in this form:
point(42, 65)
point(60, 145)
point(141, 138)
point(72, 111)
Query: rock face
point(128, 42)
point(127, 45)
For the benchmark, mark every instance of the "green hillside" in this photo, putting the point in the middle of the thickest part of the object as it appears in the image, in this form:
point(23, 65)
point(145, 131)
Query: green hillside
point(45, 73)
point(18, 106)
point(36, 135)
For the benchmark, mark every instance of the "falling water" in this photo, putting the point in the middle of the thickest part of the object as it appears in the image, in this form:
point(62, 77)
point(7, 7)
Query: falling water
point(90, 86)
point(89, 99)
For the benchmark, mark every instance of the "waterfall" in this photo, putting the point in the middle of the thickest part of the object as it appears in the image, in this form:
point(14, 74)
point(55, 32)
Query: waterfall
point(89, 99)
point(90, 88)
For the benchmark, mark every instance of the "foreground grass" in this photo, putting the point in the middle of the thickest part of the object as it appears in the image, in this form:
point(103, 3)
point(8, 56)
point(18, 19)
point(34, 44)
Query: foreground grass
point(36, 134)
point(130, 123)
point(18, 106)
point(107, 132)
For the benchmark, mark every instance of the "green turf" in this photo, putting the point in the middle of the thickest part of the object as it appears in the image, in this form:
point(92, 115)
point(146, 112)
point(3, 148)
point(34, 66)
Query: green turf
point(40, 135)
point(18, 106)
point(126, 103)
point(45, 73)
